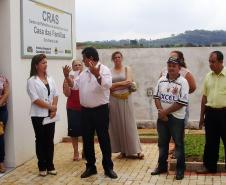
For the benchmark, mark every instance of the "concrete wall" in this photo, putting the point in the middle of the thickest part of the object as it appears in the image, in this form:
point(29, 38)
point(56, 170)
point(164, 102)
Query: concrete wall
point(147, 64)
point(20, 141)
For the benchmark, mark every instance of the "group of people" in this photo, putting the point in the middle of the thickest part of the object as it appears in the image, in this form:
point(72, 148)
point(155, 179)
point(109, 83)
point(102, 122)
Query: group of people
point(99, 101)
point(106, 108)
point(171, 100)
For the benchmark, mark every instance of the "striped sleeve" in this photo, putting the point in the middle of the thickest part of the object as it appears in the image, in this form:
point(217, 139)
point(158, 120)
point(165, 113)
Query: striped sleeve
point(156, 94)
point(183, 95)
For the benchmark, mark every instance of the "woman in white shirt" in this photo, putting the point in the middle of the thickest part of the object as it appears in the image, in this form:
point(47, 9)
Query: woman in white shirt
point(42, 91)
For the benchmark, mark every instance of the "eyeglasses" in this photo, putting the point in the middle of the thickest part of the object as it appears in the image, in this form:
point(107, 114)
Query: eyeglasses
point(78, 65)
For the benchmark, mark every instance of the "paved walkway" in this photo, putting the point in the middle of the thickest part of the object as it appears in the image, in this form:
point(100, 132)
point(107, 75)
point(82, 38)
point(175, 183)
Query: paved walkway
point(130, 171)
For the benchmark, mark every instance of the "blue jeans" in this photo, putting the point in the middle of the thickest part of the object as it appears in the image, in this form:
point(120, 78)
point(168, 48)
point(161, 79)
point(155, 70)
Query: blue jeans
point(174, 128)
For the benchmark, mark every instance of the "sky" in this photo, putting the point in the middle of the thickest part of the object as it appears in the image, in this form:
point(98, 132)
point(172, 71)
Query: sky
point(98, 20)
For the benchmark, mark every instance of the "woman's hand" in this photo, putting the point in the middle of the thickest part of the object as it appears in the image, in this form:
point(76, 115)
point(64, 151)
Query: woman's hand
point(4, 97)
point(66, 71)
point(65, 84)
point(126, 83)
point(121, 85)
point(2, 103)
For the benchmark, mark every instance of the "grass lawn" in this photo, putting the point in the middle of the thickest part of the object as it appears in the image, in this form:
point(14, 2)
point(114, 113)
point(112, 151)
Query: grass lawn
point(194, 143)
point(194, 147)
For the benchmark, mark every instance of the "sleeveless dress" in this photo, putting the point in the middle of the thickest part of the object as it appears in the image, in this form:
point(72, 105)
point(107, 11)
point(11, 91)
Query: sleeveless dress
point(122, 128)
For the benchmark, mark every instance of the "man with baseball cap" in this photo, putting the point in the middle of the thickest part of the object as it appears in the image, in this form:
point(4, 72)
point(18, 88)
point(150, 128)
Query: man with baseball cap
point(171, 99)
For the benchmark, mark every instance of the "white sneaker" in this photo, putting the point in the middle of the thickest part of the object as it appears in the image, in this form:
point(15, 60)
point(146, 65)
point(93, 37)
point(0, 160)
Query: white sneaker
point(43, 173)
point(52, 172)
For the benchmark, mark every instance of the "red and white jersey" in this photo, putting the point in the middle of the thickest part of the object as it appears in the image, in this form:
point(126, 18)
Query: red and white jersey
point(171, 91)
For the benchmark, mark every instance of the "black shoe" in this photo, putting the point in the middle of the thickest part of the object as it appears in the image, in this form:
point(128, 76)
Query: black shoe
point(89, 172)
point(180, 174)
point(110, 173)
point(158, 171)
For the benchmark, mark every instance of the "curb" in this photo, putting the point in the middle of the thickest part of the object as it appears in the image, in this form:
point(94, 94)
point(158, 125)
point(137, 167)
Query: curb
point(194, 166)
point(142, 140)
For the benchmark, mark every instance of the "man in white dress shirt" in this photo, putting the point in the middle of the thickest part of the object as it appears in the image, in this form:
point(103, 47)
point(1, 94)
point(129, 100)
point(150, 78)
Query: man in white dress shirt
point(94, 90)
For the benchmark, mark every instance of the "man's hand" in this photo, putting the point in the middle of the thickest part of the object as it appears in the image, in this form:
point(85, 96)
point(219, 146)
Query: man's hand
point(66, 71)
point(201, 122)
point(52, 114)
point(162, 115)
point(53, 108)
point(93, 69)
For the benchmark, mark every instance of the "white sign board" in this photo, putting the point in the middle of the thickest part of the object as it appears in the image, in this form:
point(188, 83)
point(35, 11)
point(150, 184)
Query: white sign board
point(45, 29)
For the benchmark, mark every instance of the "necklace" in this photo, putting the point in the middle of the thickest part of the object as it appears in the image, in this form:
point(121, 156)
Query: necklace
point(44, 80)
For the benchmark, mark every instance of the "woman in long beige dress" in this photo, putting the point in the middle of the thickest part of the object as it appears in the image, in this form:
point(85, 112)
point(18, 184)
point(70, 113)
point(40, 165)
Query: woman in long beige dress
point(122, 129)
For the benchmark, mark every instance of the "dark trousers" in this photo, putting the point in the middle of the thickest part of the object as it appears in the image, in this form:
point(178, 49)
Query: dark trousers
point(44, 135)
point(4, 119)
point(172, 128)
point(2, 148)
point(215, 128)
point(96, 119)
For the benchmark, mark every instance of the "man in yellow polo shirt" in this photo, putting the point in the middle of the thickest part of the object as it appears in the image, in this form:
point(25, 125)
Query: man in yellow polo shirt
point(213, 111)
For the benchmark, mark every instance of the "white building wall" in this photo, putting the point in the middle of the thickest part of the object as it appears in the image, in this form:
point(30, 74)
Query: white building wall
point(20, 140)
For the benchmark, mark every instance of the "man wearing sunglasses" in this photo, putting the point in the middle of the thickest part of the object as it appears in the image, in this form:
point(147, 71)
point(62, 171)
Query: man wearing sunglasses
point(171, 99)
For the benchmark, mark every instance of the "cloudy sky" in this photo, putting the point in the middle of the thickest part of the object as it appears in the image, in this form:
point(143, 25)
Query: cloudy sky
point(135, 19)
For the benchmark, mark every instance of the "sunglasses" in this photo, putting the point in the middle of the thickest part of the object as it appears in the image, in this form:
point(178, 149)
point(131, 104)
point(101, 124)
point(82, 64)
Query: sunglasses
point(173, 60)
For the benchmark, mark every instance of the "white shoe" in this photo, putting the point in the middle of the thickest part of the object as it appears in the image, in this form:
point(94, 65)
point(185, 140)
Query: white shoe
point(43, 173)
point(52, 172)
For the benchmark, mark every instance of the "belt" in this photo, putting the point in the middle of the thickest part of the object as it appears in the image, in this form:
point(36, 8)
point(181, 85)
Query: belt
point(121, 96)
point(215, 109)
point(95, 108)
